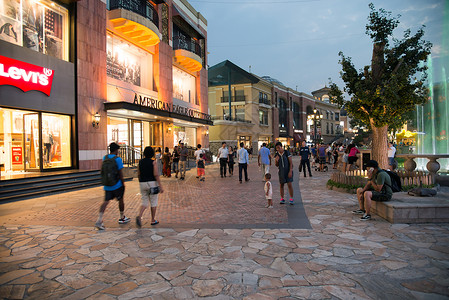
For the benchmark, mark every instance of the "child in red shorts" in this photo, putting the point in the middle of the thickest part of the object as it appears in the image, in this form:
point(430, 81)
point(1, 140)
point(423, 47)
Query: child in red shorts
point(200, 167)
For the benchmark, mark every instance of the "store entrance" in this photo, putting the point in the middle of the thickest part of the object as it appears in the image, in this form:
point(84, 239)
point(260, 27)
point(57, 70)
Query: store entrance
point(30, 142)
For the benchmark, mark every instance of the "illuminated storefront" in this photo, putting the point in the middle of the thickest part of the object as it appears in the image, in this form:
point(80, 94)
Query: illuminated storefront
point(37, 89)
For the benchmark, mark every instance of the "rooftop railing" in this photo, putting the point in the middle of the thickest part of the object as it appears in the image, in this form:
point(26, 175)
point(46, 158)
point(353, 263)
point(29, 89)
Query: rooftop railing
point(140, 7)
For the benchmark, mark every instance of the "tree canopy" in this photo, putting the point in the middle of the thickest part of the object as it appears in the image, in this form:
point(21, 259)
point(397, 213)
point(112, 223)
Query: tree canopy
point(383, 93)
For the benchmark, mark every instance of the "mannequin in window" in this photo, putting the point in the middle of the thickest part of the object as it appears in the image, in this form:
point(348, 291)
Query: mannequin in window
point(48, 143)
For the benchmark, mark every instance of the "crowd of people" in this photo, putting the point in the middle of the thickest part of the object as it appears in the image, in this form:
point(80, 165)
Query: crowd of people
point(156, 164)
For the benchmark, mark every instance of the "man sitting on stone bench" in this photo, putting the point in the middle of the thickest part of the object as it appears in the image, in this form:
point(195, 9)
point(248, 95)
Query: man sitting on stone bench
point(378, 188)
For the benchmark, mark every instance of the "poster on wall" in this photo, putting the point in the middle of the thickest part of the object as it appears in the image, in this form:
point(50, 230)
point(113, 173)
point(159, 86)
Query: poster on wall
point(53, 33)
point(122, 64)
point(32, 25)
point(10, 28)
point(17, 155)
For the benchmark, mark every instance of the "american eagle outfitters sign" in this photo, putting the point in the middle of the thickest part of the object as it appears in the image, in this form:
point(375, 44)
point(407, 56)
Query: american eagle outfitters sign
point(160, 105)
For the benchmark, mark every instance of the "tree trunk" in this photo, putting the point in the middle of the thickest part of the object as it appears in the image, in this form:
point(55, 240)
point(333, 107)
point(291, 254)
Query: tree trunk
point(377, 62)
point(379, 151)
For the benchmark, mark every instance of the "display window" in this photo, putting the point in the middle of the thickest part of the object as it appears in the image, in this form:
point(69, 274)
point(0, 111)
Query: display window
point(184, 86)
point(128, 63)
point(37, 25)
point(33, 141)
point(186, 135)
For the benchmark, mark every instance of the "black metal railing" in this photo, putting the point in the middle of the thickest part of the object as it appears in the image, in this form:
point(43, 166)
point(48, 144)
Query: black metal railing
point(130, 155)
point(264, 101)
point(140, 7)
point(186, 43)
point(239, 98)
point(227, 118)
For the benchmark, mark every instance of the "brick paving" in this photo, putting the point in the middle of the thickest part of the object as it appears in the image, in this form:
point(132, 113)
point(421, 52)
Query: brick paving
point(217, 202)
point(339, 257)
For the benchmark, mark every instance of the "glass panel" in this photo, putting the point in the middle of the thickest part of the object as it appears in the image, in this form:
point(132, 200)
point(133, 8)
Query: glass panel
point(56, 140)
point(118, 131)
point(31, 141)
point(137, 135)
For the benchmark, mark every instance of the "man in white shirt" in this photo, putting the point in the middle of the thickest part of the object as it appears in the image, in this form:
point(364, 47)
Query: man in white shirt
point(223, 153)
point(243, 158)
point(197, 154)
point(264, 160)
point(391, 153)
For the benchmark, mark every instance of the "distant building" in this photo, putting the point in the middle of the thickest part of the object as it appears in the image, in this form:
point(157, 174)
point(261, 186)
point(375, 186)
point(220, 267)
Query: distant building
point(330, 128)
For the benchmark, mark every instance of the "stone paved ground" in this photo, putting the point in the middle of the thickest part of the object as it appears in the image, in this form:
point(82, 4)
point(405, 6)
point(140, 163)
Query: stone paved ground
point(341, 257)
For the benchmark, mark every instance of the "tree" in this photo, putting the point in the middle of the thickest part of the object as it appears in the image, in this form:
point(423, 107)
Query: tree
point(383, 93)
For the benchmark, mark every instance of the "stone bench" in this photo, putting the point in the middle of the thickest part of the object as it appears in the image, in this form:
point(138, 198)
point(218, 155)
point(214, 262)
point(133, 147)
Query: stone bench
point(403, 208)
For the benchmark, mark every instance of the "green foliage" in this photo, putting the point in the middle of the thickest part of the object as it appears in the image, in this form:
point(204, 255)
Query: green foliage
point(387, 90)
point(332, 183)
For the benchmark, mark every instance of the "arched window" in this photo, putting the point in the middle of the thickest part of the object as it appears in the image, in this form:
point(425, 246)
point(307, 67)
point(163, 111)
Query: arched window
point(283, 121)
point(296, 116)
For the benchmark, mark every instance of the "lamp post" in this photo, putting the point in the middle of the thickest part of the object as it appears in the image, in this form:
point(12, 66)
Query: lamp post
point(315, 117)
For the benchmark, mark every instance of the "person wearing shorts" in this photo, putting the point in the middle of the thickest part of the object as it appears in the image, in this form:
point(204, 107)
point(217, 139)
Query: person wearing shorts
point(114, 192)
point(201, 172)
point(148, 178)
point(322, 157)
point(378, 189)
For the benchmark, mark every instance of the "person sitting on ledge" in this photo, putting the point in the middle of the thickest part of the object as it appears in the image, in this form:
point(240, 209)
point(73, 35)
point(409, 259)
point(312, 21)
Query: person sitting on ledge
point(378, 188)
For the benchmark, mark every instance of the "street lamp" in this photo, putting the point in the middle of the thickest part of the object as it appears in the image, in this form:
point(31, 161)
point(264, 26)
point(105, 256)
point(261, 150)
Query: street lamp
point(315, 117)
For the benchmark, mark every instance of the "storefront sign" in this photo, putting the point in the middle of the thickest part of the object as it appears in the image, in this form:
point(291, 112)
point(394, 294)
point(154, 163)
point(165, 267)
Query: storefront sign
point(25, 76)
point(159, 105)
point(17, 155)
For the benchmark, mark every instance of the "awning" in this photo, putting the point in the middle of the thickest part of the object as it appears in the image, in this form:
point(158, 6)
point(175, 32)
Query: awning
point(128, 109)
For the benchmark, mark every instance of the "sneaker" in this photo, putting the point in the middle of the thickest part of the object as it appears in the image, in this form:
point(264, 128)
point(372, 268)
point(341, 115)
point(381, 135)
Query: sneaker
point(358, 212)
point(240, 181)
point(99, 226)
point(138, 222)
point(271, 206)
point(366, 218)
point(124, 220)
point(282, 201)
point(291, 202)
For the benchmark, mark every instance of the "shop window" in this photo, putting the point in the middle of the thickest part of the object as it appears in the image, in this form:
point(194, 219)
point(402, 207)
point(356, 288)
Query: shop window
point(184, 86)
point(186, 135)
point(56, 140)
point(128, 63)
point(41, 26)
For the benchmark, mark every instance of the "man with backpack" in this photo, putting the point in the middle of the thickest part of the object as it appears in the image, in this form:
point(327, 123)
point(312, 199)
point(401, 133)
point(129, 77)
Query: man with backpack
point(378, 188)
point(114, 187)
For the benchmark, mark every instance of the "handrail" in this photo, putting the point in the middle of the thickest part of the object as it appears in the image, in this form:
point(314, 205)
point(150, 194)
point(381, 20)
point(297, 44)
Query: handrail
point(186, 43)
point(226, 118)
point(130, 155)
point(140, 7)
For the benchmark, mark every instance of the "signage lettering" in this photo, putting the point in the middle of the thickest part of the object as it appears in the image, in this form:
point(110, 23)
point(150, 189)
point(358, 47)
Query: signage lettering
point(25, 76)
point(160, 105)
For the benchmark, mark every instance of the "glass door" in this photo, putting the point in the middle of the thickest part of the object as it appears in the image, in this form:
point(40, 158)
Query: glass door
point(31, 142)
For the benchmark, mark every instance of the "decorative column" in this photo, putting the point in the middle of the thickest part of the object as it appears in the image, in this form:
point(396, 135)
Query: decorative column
point(433, 166)
point(410, 164)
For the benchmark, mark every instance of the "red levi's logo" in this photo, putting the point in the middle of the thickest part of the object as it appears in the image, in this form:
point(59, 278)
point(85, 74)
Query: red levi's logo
point(25, 76)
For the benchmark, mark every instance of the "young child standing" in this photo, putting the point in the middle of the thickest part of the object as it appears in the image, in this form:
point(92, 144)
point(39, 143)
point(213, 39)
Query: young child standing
point(200, 166)
point(268, 190)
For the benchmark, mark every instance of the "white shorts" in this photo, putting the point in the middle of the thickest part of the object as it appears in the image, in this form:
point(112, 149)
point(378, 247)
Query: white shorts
point(145, 193)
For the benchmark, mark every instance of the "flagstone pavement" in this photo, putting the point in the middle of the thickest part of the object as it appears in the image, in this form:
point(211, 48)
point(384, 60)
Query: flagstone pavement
point(216, 240)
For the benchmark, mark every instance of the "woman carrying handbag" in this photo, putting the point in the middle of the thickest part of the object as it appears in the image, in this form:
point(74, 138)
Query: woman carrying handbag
point(150, 185)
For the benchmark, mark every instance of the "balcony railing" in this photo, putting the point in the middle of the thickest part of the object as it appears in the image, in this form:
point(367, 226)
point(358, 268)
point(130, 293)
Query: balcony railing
point(240, 98)
point(140, 7)
point(182, 42)
point(226, 118)
point(264, 101)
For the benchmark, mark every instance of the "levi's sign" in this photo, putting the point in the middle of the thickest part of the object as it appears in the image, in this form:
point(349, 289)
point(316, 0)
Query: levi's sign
point(25, 76)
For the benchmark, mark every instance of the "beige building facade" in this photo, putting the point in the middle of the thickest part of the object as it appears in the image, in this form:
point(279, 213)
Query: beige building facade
point(330, 128)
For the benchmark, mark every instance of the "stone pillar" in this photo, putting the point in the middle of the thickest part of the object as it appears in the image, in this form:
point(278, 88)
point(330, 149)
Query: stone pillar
point(433, 166)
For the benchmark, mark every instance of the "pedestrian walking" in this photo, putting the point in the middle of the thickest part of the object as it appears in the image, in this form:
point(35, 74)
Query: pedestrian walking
point(268, 188)
point(231, 160)
point(304, 152)
point(352, 156)
point(166, 158)
point(335, 154)
point(201, 170)
point(243, 159)
point(223, 154)
point(391, 154)
point(114, 185)
point(264, 159)
point(176, 157)
point(183, 153)
point(314, 155)
point(283, 160)
point(158, 156)
point(197, 154)
point(150, 185)
point(322, 156)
